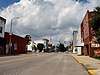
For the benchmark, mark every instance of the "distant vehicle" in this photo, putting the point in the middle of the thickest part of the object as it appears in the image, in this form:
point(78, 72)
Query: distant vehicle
point(51, 48)
point(66, 51)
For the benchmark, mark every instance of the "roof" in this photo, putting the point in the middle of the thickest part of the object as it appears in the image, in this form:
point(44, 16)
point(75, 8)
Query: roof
point(15, 35)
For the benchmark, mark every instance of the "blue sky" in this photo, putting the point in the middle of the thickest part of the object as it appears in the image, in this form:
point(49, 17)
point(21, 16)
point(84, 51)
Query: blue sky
point(5, 3)
point(83, 1)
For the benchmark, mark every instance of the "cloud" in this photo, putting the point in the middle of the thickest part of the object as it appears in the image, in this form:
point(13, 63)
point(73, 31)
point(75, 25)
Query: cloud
point(54, 19)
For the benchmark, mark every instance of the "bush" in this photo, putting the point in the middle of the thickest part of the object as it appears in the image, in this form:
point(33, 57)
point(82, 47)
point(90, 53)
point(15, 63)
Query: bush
point(40, 46)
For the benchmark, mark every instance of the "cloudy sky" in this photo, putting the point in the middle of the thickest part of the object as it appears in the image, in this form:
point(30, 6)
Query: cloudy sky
point(55, 19)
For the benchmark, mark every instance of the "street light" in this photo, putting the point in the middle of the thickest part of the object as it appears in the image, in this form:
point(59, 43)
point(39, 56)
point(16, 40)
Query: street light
point(12, 23)
point(10, 44)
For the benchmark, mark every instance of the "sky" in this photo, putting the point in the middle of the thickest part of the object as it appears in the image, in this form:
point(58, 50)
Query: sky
point(51, 19)
point(5, 3)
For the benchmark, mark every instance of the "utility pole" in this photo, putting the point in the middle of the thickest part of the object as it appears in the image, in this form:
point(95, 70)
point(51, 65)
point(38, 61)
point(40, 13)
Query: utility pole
point(10, 38)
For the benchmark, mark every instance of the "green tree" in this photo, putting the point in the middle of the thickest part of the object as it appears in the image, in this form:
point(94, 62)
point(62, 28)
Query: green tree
point(67, 47)
point(40, 46)
point(95, 23)
point(62, 47)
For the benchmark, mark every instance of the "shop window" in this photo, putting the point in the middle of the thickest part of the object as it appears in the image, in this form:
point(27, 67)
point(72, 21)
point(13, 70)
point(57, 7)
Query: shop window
point(0, 29)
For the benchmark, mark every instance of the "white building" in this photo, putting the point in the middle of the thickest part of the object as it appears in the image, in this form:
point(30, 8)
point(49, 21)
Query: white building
point(43, 41)
point(30, 43)
point(38, 41)
point(2, 32)
point(74, 41)
point(46, 42)
point(80, 42)
point(30, 46)
point(2, 27)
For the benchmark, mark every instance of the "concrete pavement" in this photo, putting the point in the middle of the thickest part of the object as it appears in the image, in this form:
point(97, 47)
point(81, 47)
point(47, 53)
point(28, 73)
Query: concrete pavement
point(41, 64)
point(89, 63)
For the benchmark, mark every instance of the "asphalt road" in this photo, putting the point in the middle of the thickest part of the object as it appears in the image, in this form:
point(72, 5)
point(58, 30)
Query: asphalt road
point(41, 64)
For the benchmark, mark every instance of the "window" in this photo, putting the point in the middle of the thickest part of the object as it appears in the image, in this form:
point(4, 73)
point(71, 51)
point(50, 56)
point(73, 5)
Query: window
point(15, 46)
point(2, 21)
point(0, 29)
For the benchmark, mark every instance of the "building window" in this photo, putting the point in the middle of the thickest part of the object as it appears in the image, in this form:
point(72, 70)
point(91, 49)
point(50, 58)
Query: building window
point(2, 21)
point(0, 29)
point(15, 46)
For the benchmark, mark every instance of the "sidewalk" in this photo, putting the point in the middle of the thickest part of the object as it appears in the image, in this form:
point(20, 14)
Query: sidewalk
point(89, 63)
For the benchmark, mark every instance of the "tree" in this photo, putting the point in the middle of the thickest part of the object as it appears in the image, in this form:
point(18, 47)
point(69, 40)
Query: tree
point(62, 47)
point(35, 48)
point(95, 23)
point(67, 47)
point(40, 46)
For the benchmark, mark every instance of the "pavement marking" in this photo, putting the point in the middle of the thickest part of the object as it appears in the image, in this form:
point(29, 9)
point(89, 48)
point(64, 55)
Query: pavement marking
point(80, 62)
point(12, 60)
point(91, 72)
point(16, 59)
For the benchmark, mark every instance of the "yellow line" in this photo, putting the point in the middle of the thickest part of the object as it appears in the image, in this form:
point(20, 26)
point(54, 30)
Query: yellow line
point(12, 60)
point(79, 62)
point(91, 72)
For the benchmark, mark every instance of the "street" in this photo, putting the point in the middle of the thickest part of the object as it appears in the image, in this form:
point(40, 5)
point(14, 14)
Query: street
point(41, 64)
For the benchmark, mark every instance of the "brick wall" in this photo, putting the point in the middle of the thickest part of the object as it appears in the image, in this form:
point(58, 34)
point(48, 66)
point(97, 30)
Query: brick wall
point(18, 43)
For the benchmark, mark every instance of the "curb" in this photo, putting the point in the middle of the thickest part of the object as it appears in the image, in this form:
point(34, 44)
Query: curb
point(89, 71)
point(79, 62)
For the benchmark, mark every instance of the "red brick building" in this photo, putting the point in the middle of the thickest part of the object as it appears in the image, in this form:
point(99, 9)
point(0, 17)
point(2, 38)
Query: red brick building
point(18, 45)
point(90, 47)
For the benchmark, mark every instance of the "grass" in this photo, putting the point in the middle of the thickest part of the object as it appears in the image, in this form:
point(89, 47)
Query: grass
point(96, 57)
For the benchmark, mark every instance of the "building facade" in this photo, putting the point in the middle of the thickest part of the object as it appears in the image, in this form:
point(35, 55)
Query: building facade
point(80, 43)
point(2, 32)
point(18, 44)
point(30, 44)
point(46, 43)
point(75, 41)
point(91, 46)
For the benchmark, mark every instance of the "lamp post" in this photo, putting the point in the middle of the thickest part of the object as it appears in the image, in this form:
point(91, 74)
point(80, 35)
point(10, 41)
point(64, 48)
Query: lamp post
point(10, 44)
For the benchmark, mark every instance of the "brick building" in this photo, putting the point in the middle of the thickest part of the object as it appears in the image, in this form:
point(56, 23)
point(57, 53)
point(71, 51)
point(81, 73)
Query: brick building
point(90, 47)
point(18, 44)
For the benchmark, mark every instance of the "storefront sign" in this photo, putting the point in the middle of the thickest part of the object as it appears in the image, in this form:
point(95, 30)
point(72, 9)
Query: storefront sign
point(95, 45)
